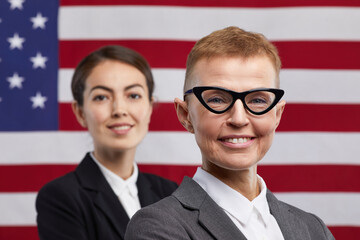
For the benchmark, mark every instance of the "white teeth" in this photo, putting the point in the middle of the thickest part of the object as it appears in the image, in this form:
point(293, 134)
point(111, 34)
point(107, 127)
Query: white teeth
point(237, 140)
point(121, 127)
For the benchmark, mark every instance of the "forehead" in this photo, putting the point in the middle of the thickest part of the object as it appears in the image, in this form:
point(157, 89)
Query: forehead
point(115, 74)
point(249, 73)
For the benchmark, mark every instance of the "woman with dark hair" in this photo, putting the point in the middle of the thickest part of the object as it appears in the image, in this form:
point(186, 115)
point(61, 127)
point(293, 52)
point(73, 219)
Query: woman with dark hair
point(112, 89)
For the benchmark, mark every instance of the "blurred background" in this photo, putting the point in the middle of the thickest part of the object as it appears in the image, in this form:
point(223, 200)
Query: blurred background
point(314, 161)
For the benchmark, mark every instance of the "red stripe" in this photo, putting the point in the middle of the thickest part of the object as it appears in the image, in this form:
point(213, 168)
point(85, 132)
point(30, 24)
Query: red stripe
point(166, 54)
point(33, 177)
point(321, 118)
point(18, 233)
point(31, 233)
point(215, 3)
point(279, 178)
point(345, 232)
point(284, 178)
point(311, 178)
point(67, 119)
point(317, 54)
point(296, 118)
point(173, 54)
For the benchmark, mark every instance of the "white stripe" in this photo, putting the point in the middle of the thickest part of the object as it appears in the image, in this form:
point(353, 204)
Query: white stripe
point(178, 148)
point(333, 208)
point(168, 84)
point(340, 208)
point(17, 209)
point(44, 147)
point(301, 86)
point(314, 148)
point(321, 86)
point(192, 23)
point(64, 84)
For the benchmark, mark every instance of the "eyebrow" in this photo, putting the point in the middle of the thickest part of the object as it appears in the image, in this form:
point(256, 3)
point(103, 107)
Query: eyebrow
point(133, 86)
point(110, 90)
point(101, 87)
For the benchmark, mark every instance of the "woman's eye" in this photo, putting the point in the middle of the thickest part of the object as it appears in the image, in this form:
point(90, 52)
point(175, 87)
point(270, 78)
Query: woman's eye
point(215, 100)
point(135, 96)
point(100, 98)
point(258, 101)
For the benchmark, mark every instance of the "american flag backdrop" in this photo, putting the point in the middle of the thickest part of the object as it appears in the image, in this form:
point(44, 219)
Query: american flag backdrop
point(314, 162)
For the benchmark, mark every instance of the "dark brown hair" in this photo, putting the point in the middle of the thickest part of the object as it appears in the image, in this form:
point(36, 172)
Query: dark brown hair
point(232, 42)
point(112, 52)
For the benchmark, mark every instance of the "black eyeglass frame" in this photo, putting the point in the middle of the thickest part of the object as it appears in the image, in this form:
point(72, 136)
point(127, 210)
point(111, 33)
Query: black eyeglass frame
point(236, 95)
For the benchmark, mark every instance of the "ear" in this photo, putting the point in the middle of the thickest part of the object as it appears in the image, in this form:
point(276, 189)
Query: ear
point(183, 114)
point(279, 111)
point(79, 113)
point(152, 102)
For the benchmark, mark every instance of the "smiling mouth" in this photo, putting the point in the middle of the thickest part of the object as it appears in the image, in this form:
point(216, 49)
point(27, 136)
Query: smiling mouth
point(119, 128)
point(237, 140)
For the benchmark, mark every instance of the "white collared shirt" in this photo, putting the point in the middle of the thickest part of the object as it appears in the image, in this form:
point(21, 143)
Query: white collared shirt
point(126, 190)
point(253, 218)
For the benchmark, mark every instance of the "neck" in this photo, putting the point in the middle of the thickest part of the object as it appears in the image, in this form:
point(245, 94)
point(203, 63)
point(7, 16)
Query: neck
point(243, 181)
point(119, 162)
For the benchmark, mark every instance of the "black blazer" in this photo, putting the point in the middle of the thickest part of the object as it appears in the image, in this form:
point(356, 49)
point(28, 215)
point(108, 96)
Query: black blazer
point(82, 205)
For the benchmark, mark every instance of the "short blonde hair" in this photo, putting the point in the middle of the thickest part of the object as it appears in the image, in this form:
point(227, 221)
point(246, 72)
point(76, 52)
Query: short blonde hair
point(232, 42)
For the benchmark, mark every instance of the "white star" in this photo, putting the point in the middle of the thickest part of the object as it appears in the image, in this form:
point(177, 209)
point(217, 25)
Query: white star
point(0, 99)
point(39, 60)
point(39, 21)
point(38, 100)
point(16, 4)
point(16, 41)
point(15, 81)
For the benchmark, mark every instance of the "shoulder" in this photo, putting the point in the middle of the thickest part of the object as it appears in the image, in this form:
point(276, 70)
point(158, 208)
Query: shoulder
point(299, 213)
point(315, 225)
point(63, 189)
point(174, 211)
point(154, 217)
point(58, 188)
point(170, 207)
point(309, 218)
point(161, 185)
point(70, 183)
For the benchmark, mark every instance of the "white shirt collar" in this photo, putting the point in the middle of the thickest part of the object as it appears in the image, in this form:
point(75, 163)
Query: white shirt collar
point(118, 184)
point(232, 201)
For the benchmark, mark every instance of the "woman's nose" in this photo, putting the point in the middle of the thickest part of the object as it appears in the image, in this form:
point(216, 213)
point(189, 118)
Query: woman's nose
point(238, 115)
point(119, 108)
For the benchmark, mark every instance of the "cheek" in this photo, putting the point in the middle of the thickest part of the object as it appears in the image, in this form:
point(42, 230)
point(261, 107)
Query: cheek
point(206, 128)
point(142, 114)
point(265, 125)
point(95, 116)
point(265, 131)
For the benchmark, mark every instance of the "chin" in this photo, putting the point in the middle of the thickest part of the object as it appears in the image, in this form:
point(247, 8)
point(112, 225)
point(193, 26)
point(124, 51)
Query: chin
point(234, 164)
point(239, 163)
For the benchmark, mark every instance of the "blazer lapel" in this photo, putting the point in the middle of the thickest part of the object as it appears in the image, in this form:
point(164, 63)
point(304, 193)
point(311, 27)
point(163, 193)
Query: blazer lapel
point(291, 227)
point(211, 216)
point(103, 196)
point(145, 192)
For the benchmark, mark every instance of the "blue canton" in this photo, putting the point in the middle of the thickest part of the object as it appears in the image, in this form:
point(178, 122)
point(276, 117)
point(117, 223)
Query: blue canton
point(28, 65)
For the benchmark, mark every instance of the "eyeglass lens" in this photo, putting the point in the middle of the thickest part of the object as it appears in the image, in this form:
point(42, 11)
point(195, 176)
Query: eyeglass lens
point(220, 100)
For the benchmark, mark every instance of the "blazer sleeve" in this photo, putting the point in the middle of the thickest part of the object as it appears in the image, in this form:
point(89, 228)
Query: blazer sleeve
point(59, 216)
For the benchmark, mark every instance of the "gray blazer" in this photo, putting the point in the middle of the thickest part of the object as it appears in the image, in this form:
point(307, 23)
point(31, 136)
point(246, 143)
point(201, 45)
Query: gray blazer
point(190, 213)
